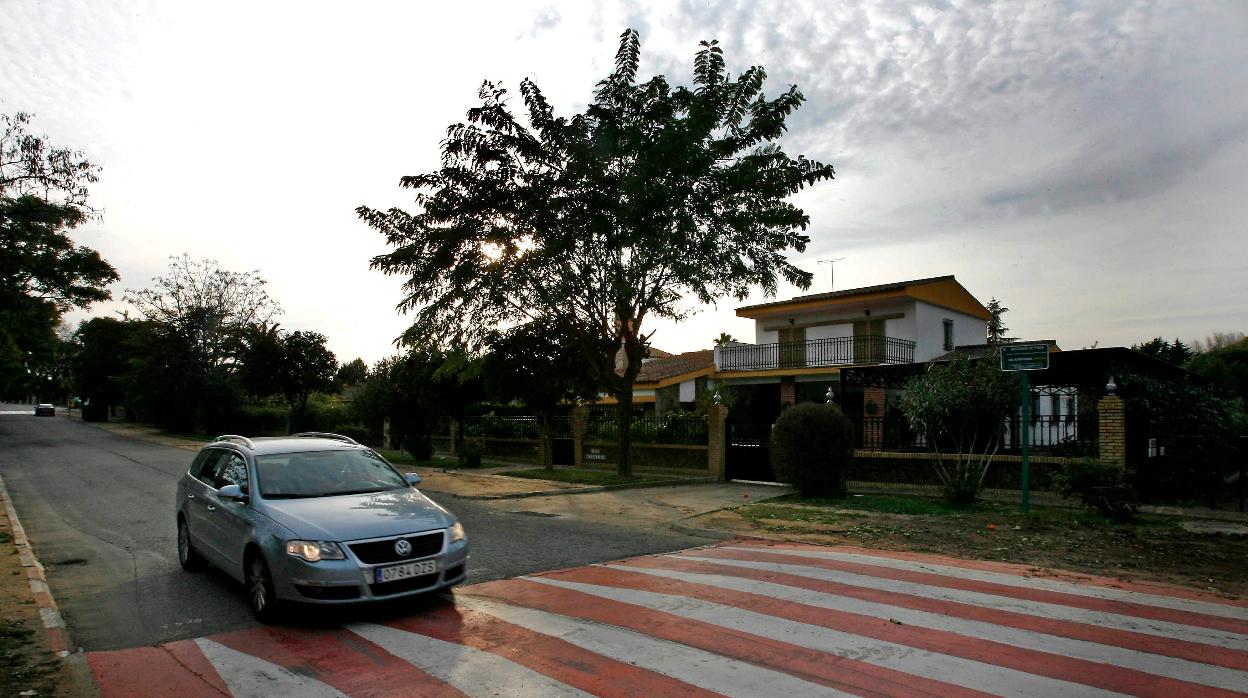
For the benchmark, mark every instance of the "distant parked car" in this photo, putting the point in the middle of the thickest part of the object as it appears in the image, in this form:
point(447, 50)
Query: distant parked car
point(315, 518)
point(45, 410)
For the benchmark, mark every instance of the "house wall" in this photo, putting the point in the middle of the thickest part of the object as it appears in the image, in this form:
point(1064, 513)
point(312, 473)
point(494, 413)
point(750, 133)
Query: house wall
point(837, 322)
point(930, 330)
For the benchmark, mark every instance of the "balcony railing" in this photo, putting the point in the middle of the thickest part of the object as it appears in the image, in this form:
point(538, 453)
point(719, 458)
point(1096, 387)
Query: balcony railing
point(834, 351)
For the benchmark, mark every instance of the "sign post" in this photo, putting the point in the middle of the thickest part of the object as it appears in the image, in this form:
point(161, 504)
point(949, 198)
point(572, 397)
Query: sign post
point(1024, 358)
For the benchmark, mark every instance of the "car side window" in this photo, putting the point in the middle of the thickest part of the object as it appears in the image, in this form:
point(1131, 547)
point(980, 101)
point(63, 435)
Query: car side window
point(202, 468)
point(231, 470)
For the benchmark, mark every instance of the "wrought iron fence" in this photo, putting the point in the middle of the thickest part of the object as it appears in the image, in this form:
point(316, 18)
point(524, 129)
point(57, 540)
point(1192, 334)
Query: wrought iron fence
point(1057, 435)
point(669, 430)
point(888, 433)
point(833, 351)
point(501, 427)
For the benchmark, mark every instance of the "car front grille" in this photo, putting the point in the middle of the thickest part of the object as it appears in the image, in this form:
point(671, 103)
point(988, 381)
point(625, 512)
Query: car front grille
point(334, 593)
point(380, 552)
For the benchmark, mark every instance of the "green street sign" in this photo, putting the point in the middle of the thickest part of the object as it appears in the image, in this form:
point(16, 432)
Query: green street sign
point(1024, 357)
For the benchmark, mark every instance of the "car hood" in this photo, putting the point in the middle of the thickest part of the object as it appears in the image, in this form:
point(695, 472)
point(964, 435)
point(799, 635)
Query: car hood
point(359, 516)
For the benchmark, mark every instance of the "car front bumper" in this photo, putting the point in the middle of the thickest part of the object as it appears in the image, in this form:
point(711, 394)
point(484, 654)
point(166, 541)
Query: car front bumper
point(351, 581)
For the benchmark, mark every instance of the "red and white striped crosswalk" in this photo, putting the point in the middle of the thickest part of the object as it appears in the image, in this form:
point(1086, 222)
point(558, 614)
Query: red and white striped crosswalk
point(739, 619)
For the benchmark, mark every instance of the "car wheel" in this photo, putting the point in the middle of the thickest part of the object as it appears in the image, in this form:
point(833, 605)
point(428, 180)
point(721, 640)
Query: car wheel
point(187, 557)
point(260, 595)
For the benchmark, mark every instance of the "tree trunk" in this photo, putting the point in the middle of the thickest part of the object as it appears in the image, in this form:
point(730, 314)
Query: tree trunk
point(624, 440)
point(634, 350)
point(548, 460)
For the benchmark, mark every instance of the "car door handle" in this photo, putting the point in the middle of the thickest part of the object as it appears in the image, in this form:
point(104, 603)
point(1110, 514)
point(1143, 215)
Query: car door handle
point(211, 508)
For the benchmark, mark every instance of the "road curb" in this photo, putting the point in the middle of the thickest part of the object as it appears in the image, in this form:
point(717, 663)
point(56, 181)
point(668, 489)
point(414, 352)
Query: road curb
point(589, 489)
point(53, 623)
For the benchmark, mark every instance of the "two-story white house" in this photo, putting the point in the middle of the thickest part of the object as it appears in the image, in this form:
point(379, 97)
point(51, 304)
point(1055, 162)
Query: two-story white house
point(801, 344)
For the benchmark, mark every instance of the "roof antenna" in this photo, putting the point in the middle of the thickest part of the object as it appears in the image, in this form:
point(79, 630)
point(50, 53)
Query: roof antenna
point(831, 263)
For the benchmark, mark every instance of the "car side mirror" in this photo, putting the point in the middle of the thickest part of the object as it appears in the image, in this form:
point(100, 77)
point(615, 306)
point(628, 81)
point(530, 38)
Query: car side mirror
point(412, 478)
point(232, 493)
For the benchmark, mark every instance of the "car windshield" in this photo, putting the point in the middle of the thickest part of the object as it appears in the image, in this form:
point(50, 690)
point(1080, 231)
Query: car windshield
point(324, 474)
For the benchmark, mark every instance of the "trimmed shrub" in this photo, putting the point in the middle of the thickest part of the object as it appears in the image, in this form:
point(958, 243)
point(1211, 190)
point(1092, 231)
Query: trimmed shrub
point(470, 452)
point(811, 447)
point(1105, 487)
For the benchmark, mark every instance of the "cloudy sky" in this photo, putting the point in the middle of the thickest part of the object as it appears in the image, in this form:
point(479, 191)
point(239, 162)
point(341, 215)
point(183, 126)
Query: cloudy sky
point(1086, 163)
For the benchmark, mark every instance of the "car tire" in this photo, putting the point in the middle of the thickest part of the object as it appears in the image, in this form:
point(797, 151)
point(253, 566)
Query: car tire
point(188, 558)
point(264, 604)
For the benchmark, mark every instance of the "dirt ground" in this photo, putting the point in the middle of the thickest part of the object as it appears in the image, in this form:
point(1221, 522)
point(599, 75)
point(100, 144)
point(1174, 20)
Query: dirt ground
point(26, 663)
point(1154, 548)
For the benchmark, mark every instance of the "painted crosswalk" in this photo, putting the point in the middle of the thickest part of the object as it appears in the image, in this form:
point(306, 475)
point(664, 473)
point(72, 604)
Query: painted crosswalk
point(738, 619)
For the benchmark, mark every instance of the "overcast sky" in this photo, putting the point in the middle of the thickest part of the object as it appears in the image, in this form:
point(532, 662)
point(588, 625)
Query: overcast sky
point(1085, 163)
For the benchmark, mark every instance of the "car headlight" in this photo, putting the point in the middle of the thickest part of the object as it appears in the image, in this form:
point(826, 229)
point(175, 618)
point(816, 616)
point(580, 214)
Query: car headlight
point(457, 532)
point(314, 550)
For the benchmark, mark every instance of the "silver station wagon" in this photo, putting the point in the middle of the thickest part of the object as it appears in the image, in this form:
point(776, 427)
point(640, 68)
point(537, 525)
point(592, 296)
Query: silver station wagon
point(315, 518)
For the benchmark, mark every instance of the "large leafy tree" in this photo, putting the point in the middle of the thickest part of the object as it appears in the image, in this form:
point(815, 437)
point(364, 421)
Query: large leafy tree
point(200, 315)
point(43, 273)
point(307, 366)
point(603, 219)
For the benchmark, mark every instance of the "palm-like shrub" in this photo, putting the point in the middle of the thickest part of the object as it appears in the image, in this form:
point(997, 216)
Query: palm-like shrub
point(811, 447)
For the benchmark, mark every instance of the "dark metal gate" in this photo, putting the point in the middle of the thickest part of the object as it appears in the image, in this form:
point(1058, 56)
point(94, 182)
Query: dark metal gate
point(748, 453)
point(561, 443)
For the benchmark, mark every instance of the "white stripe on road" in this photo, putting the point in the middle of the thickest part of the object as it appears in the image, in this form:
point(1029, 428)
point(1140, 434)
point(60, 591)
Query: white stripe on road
point(696, 667)
point(931, 665)
point(1217, 638)
point(1181, 669)
point(1036, 582)
point(473, 671)
point(247, 676)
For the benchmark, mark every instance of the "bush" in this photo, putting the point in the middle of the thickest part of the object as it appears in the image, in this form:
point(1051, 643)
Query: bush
point(470, 454)
point(811, 448)
point(1105, 487)
point(353, 431)
point(255, 421)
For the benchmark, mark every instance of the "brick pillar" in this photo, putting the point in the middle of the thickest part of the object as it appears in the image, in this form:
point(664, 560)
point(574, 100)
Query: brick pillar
point(717, 441)
point(788, 391)
point(1111, 413)
point(454, 447)
point(873, 424)
point(580, 421)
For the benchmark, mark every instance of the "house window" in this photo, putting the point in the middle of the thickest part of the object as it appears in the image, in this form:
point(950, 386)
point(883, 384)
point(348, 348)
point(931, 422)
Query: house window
point(948, 335)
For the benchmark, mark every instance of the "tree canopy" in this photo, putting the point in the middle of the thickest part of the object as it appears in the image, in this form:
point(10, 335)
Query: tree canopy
point(1175, 352)
point(43, 273)
point(997, 331)
point(603, 219)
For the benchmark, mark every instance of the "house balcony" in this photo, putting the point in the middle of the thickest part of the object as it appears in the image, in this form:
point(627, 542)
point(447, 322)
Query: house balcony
point(863, 350)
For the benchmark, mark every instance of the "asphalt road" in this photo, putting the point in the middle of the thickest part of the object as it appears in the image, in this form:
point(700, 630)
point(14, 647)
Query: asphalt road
point(98, 509)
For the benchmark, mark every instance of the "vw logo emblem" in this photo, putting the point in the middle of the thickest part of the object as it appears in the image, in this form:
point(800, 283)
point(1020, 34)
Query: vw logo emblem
point(402, 547)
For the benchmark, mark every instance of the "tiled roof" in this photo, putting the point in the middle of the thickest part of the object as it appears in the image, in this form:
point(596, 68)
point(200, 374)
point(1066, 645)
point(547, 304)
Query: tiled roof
point(656, 370)
point(975, 352)
point(849, 292)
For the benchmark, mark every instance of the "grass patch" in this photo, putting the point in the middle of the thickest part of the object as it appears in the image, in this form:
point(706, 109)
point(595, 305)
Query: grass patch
point(581, 477)
point(437, 462)
point(890, 504)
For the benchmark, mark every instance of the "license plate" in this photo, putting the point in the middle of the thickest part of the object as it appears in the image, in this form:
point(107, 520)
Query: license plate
point(411, 569)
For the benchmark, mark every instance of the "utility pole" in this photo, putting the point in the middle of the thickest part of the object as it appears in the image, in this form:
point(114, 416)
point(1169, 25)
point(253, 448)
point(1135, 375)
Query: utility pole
point(831, 263)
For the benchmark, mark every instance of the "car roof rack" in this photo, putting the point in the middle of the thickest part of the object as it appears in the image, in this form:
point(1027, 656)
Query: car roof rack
point(325, 435)
point(235, 437)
